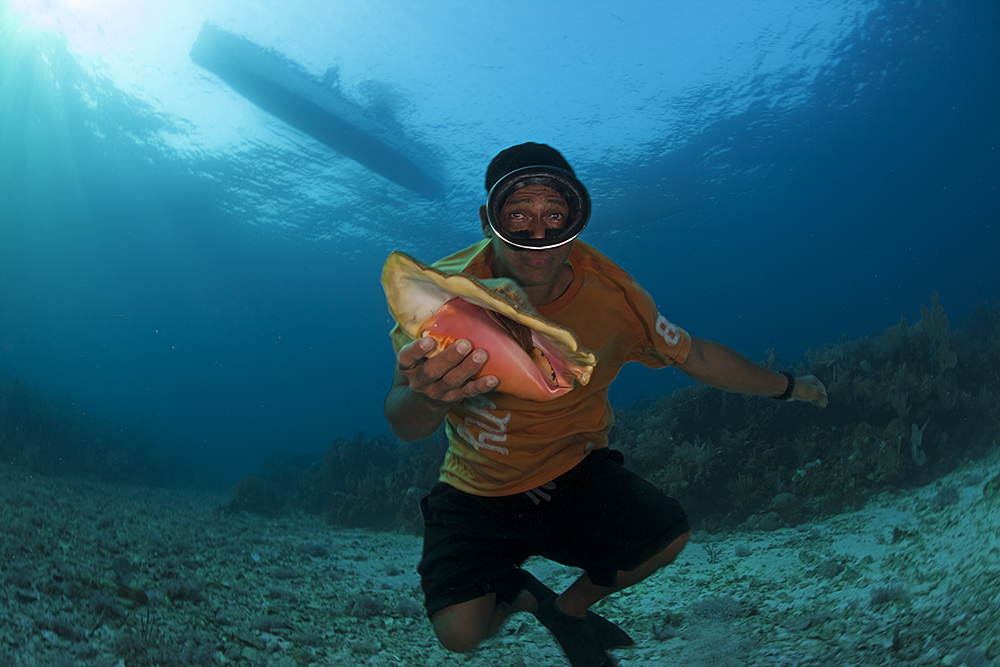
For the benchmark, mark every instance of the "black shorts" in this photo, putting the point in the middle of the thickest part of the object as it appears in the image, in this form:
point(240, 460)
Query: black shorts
point(598, 516)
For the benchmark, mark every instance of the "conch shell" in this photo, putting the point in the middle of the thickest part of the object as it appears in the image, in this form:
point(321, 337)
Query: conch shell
point(533, 358)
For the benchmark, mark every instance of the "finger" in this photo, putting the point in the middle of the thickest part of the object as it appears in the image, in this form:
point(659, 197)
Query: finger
point(473, 388)
point(447, 360)
point(413, 354)
point(819, 397)
point(459, 375)
point(482, 385)
point(435, 380)
point(823, 399)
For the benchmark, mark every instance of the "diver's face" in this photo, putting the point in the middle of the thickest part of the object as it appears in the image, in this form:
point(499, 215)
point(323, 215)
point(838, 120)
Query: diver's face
point(531, 211)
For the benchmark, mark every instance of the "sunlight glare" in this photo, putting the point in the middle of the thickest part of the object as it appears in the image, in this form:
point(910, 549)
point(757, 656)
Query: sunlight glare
point(101, 28)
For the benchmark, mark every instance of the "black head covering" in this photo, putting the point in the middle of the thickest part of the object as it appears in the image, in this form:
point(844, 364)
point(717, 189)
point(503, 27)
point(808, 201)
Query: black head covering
point(523, 155)
point(527, 164)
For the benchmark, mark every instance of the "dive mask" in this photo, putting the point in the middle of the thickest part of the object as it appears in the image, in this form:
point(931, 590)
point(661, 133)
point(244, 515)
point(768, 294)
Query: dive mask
point(559, 180)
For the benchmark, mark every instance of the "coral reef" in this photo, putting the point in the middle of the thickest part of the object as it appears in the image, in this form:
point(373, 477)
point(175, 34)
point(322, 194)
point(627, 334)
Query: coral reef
point(251, 494)
point(45, 436)
point(718, 608)
point(359, 482)
point(365, 606)
point(906, 406)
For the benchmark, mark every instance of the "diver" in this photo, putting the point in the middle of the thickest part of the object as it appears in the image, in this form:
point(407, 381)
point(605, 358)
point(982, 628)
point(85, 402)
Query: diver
point(523, 478)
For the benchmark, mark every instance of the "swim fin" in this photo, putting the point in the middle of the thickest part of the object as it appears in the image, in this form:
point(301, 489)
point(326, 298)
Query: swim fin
point(608, 634)
point(575, 635)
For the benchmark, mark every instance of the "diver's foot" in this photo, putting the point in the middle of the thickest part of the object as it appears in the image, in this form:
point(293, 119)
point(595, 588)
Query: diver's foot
point(575, 635)
point(608, 634)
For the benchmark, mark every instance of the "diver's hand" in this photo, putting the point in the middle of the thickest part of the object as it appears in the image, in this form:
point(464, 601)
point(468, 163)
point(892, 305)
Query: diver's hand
point(446, 377)
point(808, 388)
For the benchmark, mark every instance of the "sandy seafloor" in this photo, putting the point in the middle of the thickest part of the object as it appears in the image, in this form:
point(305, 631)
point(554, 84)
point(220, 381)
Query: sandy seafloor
point(908, 580)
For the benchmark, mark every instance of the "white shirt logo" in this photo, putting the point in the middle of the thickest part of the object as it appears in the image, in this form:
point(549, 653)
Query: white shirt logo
point(493, 429)
point(667, 330)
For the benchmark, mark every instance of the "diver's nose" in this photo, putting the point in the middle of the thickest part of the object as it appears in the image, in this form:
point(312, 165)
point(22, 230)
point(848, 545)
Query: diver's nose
point(537, 229)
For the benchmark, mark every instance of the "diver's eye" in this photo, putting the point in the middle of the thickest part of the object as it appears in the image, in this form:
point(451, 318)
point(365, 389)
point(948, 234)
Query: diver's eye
point(517, 221)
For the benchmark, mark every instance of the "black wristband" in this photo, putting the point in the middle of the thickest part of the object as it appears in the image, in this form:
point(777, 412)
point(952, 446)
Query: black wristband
point(787, 394)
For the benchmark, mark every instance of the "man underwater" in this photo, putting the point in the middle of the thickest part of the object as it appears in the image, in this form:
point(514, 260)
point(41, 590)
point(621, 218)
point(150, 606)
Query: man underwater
point(553, 489)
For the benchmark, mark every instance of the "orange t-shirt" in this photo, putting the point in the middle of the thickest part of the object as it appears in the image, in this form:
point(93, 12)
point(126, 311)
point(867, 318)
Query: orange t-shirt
point(501, 445)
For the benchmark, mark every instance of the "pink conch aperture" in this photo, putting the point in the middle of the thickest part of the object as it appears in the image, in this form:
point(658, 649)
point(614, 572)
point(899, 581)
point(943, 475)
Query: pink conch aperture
point(534, 359)
point(534, 375)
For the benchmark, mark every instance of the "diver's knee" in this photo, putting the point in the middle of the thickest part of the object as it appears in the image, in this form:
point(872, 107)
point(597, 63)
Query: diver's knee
point(457, 641)
point(672, 550)
point(458, 637)
point(461, 627)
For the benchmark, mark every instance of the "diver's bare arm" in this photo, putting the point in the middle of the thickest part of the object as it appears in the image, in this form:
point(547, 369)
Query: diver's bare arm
point(724, 368)
point(410, 416)
point(424, 388)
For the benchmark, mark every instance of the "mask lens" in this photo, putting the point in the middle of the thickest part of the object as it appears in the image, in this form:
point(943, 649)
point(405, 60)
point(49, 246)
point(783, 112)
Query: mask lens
point(559, 180)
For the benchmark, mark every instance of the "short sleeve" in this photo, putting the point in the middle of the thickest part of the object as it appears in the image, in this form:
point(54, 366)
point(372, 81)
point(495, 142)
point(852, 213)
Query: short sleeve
point(399, 338)
point(664, 343)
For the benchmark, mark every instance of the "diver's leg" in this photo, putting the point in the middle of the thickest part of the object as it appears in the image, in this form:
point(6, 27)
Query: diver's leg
point(583, 593)
point(469, 568)
point(461, 627)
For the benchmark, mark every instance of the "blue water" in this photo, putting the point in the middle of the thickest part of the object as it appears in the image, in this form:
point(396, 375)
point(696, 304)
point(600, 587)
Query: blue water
point(175, 259)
